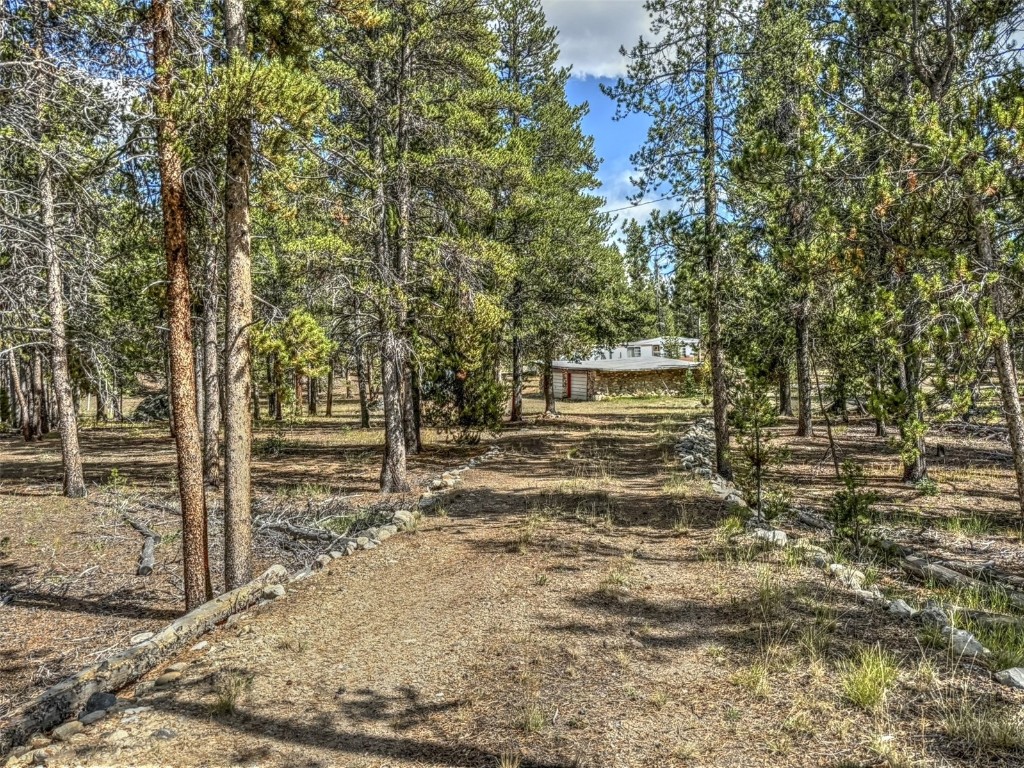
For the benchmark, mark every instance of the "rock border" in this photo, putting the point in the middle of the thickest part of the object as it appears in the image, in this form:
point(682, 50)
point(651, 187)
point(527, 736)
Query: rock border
point(696, 452)
point(88, 692)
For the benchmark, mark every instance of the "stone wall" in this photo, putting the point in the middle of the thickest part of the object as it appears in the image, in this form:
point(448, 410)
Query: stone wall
point(640, 383)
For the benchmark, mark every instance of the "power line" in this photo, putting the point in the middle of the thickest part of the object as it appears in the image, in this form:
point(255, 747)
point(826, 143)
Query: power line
point(638, 205)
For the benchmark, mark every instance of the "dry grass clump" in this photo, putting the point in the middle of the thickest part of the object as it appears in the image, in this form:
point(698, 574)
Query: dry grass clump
point(230, 689)
point(984, 727)
point(868, 677)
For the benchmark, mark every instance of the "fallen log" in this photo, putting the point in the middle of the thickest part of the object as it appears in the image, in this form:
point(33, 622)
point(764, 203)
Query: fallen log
point(313, 534)
point(66, 699)
point(808, 518)
point(924, 570)
point(147, 560)
point(148, 557)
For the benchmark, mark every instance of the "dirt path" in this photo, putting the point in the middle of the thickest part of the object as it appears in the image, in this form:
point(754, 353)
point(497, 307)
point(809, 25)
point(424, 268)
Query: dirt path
point(574, 604)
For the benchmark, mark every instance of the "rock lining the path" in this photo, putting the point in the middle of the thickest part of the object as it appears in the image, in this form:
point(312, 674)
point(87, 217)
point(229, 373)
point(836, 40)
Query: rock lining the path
point(696, 450)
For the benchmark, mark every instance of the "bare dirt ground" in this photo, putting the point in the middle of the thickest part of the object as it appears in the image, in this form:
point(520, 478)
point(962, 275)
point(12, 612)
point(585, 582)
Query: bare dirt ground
point(575, 603)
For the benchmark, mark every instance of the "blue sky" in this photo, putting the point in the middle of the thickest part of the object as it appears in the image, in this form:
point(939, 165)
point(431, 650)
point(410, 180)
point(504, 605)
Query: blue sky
point(590, 35)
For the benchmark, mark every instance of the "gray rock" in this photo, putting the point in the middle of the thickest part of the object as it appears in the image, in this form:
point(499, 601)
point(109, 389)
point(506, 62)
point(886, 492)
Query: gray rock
point(178, 666)
point(437, 484)
point(100, 700)
point(872, 597)
point(167, 678)
point(164, 734)
point(69, 729)
point(362, 541)
point(1013, 677)
point(386, 532)
point(964, 643)
point(92, 717)
point(901, 608)
point(370, 545)
point(402, 516)
point(136, 711)
point(846, 575)
point(201, 646)
point(273, 591)
point(322, 561)
point(934, 616)
point(141, 637)
point(772, 538)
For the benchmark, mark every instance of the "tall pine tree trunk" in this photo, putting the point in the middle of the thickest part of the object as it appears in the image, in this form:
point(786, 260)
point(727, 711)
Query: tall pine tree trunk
point(516, 411)
point(71, 455)
point(329, 405)
point(785, 391)
point(238, 352)
point(179, 316)
point(393, 472)
point(36, 395)
point(550, 404)
point(712, 245)
point(804, 426)
point(211, 367)
point(1003, 352)
point(363, 384)
point(911, 425)
point(19, 396)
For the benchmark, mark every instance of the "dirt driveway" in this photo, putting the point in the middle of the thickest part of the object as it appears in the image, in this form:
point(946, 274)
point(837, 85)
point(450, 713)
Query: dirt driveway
point(573, 604)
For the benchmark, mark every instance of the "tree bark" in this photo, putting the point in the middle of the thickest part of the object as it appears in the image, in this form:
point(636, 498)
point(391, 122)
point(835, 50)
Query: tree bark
point(179, 315)
point(329, 405)
point(1005, 365)
point(19, 394)
point(311, 394)
point(393, 472)
point(362, 380)
point(238, 352)
point(805, 426)
point(35, 396)
point(915, 468)
point(211, 367)
point(71, 455)
point(516, 413)
point(785, 391)
point(712, 246)
point(550, 404)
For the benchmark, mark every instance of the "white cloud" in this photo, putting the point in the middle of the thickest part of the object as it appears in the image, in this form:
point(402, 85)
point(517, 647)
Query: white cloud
point(592, 31)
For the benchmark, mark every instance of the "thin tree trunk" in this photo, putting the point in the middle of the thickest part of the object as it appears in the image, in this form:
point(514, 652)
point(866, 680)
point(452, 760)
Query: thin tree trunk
point(712, 246)
point(393, 472)
point(410, 420)
point(1005, 366)
point(71, 455)
point(329, 406)
point(311, 394)
point(362, 381)
point(36, 395)
point(805, 426)
point(211, 366)
point(19, 394)
point(238, 352)
point(915, 462)
point(516, 414)
point(550, 404)
point(880, 430)
point(179, 311)
point(785, 391)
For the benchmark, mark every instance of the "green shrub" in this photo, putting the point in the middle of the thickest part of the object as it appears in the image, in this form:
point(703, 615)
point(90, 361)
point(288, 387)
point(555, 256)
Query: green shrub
point(852, 509)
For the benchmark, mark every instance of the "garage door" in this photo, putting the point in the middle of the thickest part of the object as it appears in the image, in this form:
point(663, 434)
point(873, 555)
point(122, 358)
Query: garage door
point(578, 386)
point(558, 378)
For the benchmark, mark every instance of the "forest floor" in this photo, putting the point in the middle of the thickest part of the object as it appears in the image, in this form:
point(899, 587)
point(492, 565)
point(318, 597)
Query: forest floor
point(576, 602)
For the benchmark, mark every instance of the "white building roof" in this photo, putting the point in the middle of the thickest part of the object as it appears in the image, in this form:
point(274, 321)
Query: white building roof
point(660, 341)
point(627, 364)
